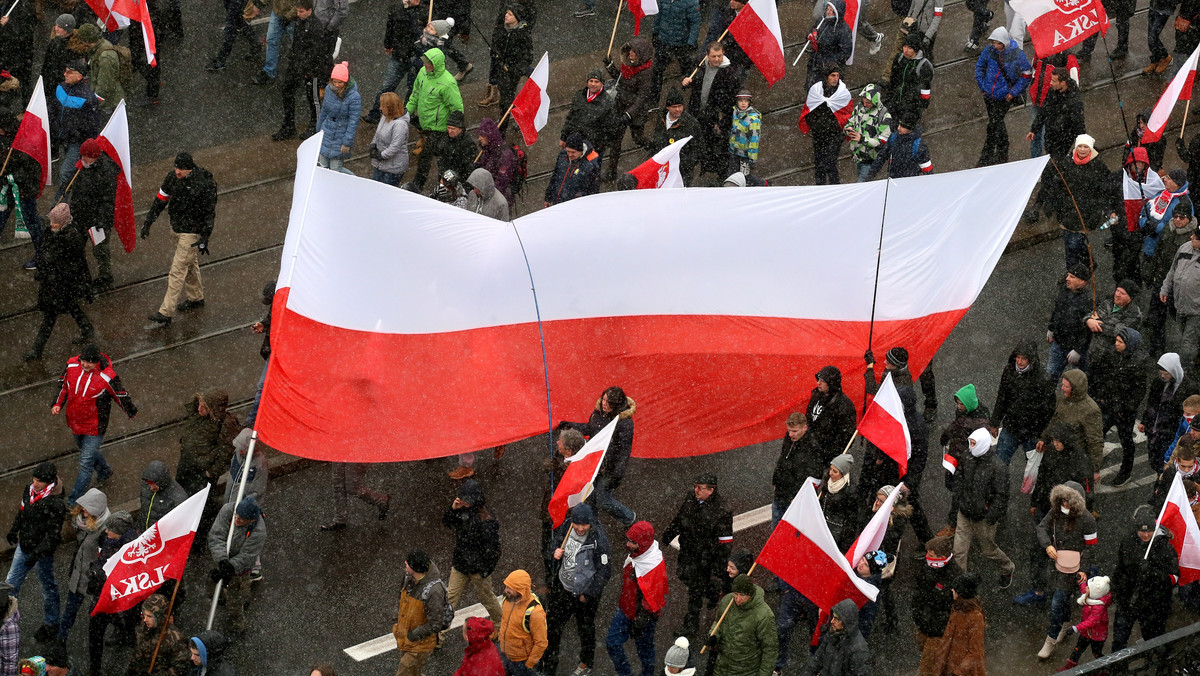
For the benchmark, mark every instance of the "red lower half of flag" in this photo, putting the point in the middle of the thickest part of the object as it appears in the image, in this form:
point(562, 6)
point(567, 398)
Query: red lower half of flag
point(1172, 520)
point(32, 140)
point(798, 561)
point(524, 110)
point(141, 571)
point(887, 433)
point(574, 482)
point(759, 44)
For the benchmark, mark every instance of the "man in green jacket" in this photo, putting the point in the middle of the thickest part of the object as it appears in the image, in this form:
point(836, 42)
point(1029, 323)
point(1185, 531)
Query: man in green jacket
point(435, 93)
point(746, 642)
point(105, 67)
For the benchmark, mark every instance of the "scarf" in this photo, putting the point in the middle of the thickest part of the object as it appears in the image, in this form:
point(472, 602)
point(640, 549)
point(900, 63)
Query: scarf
point(837, 486)
point(934, 562)
point(36, 496)
point(592, 97)
point(1023, 370)
point(628, 71)
point(1185, 475)
point(21, 231)
point(1158, 205)
point(1075, 158)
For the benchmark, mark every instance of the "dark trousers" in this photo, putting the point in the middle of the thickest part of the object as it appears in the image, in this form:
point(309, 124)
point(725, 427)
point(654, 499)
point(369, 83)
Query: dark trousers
point(700, 588)
point(982, 15)
point(1154, 624)
point(1123, 418)
point(1156, 21)
point(663, 55)
point(1082, 644)
point(636, 131)
point(1038, 561)
point(995, 142)
point(98, 624)
point(794, 607)
point(50, 318)
point(1089, 45)
point(919, 521)
point(1127, 254)
point(291, 82)
point(563, 606)
point(1156, 319)
point(825, 158)
point(235, 25)
point(435, 144)
point(928, 386)
point(506, 81)
point(137, 47)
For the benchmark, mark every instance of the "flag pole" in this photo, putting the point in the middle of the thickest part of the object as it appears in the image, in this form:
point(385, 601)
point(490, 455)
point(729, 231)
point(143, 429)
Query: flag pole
point(852, 436)
point(715, 627)
point(241, 492)
point(430, 19)
point(1086, 241)
point(697, 68)
point(502, 119)
point(1183, 126)
point(613, 37)
point(166, 623)
point(66, 189)
point(6, 158)
point(875, 292)
point(807, 43)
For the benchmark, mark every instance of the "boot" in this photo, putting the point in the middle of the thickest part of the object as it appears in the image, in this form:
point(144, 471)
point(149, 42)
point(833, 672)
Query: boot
point(1071, 664)
point(1047, 648)
point(1161, 66)
point(491, 98)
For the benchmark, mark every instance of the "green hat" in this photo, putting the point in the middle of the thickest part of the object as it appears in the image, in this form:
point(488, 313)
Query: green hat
point(743, 585)
point(88, 33)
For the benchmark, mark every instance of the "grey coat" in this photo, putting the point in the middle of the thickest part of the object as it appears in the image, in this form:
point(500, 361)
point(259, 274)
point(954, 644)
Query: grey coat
point(1183, 280)
point(391, 139)
point(248, 541)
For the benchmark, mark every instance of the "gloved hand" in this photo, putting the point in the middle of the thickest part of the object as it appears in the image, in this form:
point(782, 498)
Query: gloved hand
point(375, 154)
point(1073, 357)
point(12, 539)
point(869, 357)
point(1049, 336)
point(712, 642)
point(202, 246)
point(608, 63)
point(1181, 147)
point(214, 575)
point(812, 39)
point(146, 229)
point(226, 570)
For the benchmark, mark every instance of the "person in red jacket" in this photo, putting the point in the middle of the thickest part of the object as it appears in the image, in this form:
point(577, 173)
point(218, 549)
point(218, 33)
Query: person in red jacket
point(481, 657)
point(89, 387)
point(643, 595)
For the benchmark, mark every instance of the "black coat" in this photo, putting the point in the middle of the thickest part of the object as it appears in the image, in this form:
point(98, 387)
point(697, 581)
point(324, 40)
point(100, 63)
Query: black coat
point(63, 270)
point(1070, 310)
point(722, 95)
point(687, 125)
point(476, 539)
point(619, 447)
point(1118, 379)
point(931, 598)
point(403, 30)
point(1062, 115)
point(191, 202)
point(513, 49)
point(798, 460)
point(94, 194)
point(312, 49)
point(1143, 585)
point(841, 513)
point(981, 488)
point(918, 431)
point(574, 179)
point(705, 532)
point(1058, 467)
point(632, 91)
point(54, 62)
point(833, 418)
point(592, 119)
point(1025, 401)
point(37, 527)
point(1090, 186)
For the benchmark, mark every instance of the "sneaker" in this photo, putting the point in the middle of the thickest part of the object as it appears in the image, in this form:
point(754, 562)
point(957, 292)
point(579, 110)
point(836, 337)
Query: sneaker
point(383, 509)
point(877, 43)
point(584, 10)
point(1029, 598)
point(462, 74)
point(256, 576)
point(1005, 581)
point(215, 66)
point(284, 134)
point(461, 472)
point(262, 78)
point(582, 670)
point(971, 46)
point(336, 525)
point(1120, 479)
point(31, 265)
point(188, 305)
point(157, 321)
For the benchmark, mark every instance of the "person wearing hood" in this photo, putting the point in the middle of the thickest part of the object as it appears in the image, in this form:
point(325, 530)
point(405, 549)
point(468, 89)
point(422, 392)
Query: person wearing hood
point(842, 650)
point(591, 115)
point(340, 108)
point(173, 656)
point(476, 547)
point(485, 198)
point(434, 96)
point(35, 533)
point(713, 92)
point(118, 531)
point(905, 153)
point(1063, 462)
point(206, 442)
point(910, 84)
point(970, 414)
point(745, 641)
point(613, 403)
point(88, 517)
point(481, 658)
point(1024, 402)
point(677, 659)
point(932, 598)
point(839, 502)
point(830, 42)
point(1184, 464)
point(962, 650)
point(1120, 377)
point(981, 497)
point(421, 614)
point(1093, 624)
point(576, 172)
point(256, 474)
point(1060, 116)
point(234, 561)
point(1002, 73)
point(512, 54)
point(826, 123)
point(672, 126)
point(1066, 332)
point(1146, 571)
point(831, 414)
point(207, 651)
point(1082, 414)
point(309, 65)
point(523, 626)
point(578, 573)
point(744, 133)
point(675, 35)
point(1155, 150)
point(704, 526)
point(643, 595)
point(869, 128)
point(634, 76)
point(389, 145)
point(1067, 534)
point(497, 158)
point(1164, 407)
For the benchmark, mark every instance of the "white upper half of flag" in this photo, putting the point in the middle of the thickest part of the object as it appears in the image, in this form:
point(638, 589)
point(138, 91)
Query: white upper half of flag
point(541, 77)
point(805, 515)
point(872, 536)
point(669, 157)
point(597, 444)
point(840, 98)
point(768, 13)
point(176, 523)
point(1170, 96)
point(117, 133)
point(888, 399)
point(1146, 190)
point(648, 6)
point(1189, 556)
point(37, 103)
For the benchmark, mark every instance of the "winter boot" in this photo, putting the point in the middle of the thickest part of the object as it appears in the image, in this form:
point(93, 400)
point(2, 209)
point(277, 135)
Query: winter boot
point(491, 98)
point(1047, 648)
point(1071, 664)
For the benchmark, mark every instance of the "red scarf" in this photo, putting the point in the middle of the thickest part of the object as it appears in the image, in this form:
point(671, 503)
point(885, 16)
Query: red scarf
point(1080, 162)
point(35, 496)
point(592, 97)
point(628, 71)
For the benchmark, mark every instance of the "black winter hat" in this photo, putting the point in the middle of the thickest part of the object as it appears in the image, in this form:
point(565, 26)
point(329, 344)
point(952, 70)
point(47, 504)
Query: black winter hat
point(90, 353)
point(1195, 423)
point(456, 119)
point(418, 560)
point(595, 74)
point(184, 161)
point(46, 472)
point(674, 98)
point(742, 585)
point(908, 120)
point(576, 141)
point(79, 66)
point(897, 356)
point(1144, 518)
point(967, 585)
point(742, 560)
point(1081, 271)
point(1184, 207)
point(1131, 287)
point(1178, 175)
point(710, 479)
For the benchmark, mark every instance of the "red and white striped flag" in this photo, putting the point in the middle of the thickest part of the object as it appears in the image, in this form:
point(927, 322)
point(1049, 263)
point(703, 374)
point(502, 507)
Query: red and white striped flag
point(756, 29)
point(649, 567)
point(1055, 25)
point(1176, 516)
point(136, 10)
point(872, 536)
point(884, 425)
point(841, 103)
point(851, 20)
point(581, 471)
point(1136, 193)
point(661, 170)
point(33, 136)
point(114, 141)
point(641, 9)
point(531, 107)
point(158, 555)
point(1180, 89)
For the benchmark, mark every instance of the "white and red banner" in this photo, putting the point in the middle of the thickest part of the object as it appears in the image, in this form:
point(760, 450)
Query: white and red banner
point(1180, 89)
point(872, 536)
point(531, 107)
point(661, 170)
point(756, 29)
point(1137, 194)
point(851, 20)
point(33, 135)
point(699, 313)
point(840, 102)
point(158, 555)
point(640, 10)
point(114, 141)
point(118, 14)
point(581, 471)
point(801, 552)
point(1176, 516)
point(651, 574)
point(1055, 25)
point(884, 424)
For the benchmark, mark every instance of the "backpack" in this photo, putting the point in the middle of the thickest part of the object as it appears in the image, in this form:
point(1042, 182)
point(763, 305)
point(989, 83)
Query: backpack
point(447, 609)
point(534, 603)
point(521, 171)
point(124, 66)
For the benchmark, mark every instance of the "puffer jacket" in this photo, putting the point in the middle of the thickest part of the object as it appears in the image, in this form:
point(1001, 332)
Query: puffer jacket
point(1093, 621)
point(339, 119)
point(434, 94)
point(841, 653)
point(677, 22)
point(748, 640)
point(488, 201)
point(391, 140)
point(1082, 414)
point(1074, 533)
point(497, 158)
point(745, 129)
point(875, 125)
point(76, 111)
point(834, 42)
point(1152, 227)
point(1000, 75)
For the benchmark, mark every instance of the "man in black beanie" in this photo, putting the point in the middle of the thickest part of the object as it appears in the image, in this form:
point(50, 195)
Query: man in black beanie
point(674, 125)
point(576, 172)
point(1066, 332)
point(422, 613)
point(1120, 311)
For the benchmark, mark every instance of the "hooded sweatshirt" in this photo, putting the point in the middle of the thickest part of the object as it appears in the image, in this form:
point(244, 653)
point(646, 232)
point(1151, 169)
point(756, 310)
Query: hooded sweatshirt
point(523, 636)
point(481, 657)
point(206, 443)
point(497, 157)
point(154, 505)
point(832, 415)
point(211, 645)
point(875, 125)
point(841, 653)
point(488, 200)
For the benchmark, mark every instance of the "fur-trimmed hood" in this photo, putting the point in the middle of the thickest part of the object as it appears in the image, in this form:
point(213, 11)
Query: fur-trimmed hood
point(626, 413)
point(1072, 494)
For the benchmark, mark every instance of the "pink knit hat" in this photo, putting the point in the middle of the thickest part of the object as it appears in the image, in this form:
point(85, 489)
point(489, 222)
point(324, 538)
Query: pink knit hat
point(61, 213)
point(341, 72)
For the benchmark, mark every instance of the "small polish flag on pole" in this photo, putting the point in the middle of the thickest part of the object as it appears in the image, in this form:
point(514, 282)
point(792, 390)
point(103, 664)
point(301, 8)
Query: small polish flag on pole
point(872, 536)
point(661, 170)
point(33, 136)
point(1179, 89)
point(1176, 516)
point(641, 9)
point(577, 479)
point(531, 107)
point(114, 141)
point(756, 29)
point(884, 425)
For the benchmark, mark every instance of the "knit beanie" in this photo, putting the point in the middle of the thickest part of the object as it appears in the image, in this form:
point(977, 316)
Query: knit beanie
point(677, 654)
point(898, 357)
point(90, 149)
point(1131, 287)
point(1085, 140)
point(184, 160)
point(575, 142)
point(248, 508)
point(674, 98)
point(418, 560)
point(1081, 271)
point(88, 34)
point(442, 27)
point(61, 213)
point(1179, 176)
point(342, 71)
point(91, 353)
point(46, 472)
point(456, 119)
point(843, 463)
point(743, 585)
point(65, 22)
point(967, 585)
point(595, 74)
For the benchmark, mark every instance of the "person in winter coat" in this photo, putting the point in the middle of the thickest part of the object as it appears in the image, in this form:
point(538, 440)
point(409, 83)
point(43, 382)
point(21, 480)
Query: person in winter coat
point(579, 571)
point(421, 613)
point(674, 125)
point(389, 146)
point(35, 533)
point(830, 43)
point(1066, 331)
point(713, 93)
point(675, 36)
point(1155, 150)
point(827, 108)
point(92, 199)
point(1182, 288)
point(970, 414)
point(566, 444)
point(1002, 73)
point(869, 128)
point(1067, 534)
point(591, 115)
point(75, 111)
point(1078, 410)
point(1082, 188)
point(1142, 582)
point(799, 459)
point(1156, 266)
point(981, 497)
point(1060, 116)
point(1157, 214)
point(64, 280)
point(1024, 402)
point(910, 84)
point(831, 415)
point(643, 595)
point(1184, 464)
point(340, 109)
point(842, 651)
point(932, 599)
point(523, 627)
point(962, 652)
point(839, 501)
point(57, 54)
point(889, 549)
point(118, 531)
point(434, 96)
point(1111, 315)
point(158, 496)
point(256, 474)
point(476, 547)
point(634, 76)
point(576, 172)
point(1093, 625)
point(744, 133)
point(460, 151)
point(1164, 406)
point(481, 658)
point(173, 658)
point(308, 69)
point(206, 443)
point(1120, 376)
point(497, 158)
point(208, 654)
point(704, 526)
point(484, 197)
point(402, 34)
point(905, 153)
point(512, 54)
point(746, 643)
point(88, 517)
point(104, 67)
point(234, 562)
point(613, 403)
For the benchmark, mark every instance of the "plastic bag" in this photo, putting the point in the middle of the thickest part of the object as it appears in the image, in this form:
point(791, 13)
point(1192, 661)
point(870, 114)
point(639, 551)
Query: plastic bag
point(1033, 460)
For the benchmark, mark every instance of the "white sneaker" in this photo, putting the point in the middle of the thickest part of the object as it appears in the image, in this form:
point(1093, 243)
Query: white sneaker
point(877, 43)
point(1047, 648)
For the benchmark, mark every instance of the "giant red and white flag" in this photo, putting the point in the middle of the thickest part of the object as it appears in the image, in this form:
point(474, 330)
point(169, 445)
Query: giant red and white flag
point(531, 107)
point(1176, 516)
point(872, 536)
point(662, 169)
point(840, 102)
point(801, 552)
point(114, 141)
point(641, 9)
point(1055, 25)
point(581, 471)
point(884, 424)
point(33, 135)
point(158, 555)
point(1136, 194)
point(756, 29)
point(651, 573)
point(442, 320)
point(1180, 89)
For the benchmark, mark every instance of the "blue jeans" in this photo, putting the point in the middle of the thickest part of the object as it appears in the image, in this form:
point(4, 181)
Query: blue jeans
point(619, 632)
point(1057, 363)
point(392, 77)
point(1060, 611)
point(793, 607)
point(66, 170)
point(253, 414)
point(74, 603)
point(515, 668)
point(1008, 444)
point(863, 170)
point(90, 458)
point(1037, 146)
point(1156, 21)
point(608, 503)
point(45, 568)
point(386, 177)
point(275, 30)
point(334, 163)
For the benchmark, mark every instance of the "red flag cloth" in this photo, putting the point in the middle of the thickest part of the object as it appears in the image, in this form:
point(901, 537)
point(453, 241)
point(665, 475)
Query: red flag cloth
point(33, 136)
point(840, 102)
point(114, 141)
point(1180, 89)
point(158, 555)
point(576, 483)
point(641, 9)
point(651, 574)
point(756, 29)
point(531, 107)
point(1137, 193)
point(1176, 516)
point(1055, 25)
point(802, 553)
point(661, 170)
point(883, 424)
point(136, 10)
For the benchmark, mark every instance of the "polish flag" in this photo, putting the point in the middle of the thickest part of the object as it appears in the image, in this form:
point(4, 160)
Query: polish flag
point(448, 338)
point(577, 479)
point(158, 555)
point(851, 21)
point(1180, 89)
point(661, 170)
point(756, 29)
point(841, 103)
point(872, 536)
point(114, 140)
point(1137, 194)
point(1055, 25)
point(136, 10)
point(531, 107)
point(884, 425)
point(33, 136)
point(641, 9)
point(651, 574)
point(1176, 516)
point(802, 553)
